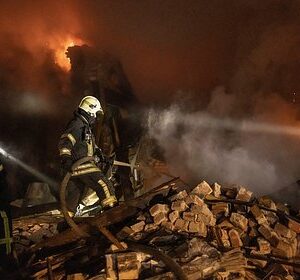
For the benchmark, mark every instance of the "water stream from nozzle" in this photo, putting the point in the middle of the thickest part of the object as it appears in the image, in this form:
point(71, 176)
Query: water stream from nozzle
point(247, 126)
point(44, 178)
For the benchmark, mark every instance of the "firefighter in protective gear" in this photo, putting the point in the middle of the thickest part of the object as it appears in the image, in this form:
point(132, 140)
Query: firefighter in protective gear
point(78, 142)
point(5, 222)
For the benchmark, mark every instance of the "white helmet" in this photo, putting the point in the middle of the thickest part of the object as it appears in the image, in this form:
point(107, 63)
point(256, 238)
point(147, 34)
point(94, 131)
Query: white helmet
point(91, 105)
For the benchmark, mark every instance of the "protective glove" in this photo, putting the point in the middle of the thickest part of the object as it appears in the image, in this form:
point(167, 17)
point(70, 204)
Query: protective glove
point(102, 158)
point(66, 163)
point(99, 156)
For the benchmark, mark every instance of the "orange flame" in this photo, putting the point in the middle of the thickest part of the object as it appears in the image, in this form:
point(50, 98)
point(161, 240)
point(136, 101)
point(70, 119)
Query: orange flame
point(60, 46)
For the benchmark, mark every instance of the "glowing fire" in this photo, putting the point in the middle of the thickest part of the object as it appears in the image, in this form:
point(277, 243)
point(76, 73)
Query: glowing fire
point(60, 46)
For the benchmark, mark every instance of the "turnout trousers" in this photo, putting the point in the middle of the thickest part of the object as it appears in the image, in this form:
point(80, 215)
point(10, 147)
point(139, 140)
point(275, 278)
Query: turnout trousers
point(96, 181)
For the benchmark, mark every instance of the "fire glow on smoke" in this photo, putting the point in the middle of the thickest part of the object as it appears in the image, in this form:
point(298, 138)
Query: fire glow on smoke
point(60, 46)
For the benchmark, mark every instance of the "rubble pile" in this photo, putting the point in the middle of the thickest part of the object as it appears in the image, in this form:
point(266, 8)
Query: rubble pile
point(31, 230)
point(212, 233)
point(208, 232)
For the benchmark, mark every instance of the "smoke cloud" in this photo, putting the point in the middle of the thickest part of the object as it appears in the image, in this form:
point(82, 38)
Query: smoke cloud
point(245, 131)
point(254, 152)
point(193, 46)
point(33, 35)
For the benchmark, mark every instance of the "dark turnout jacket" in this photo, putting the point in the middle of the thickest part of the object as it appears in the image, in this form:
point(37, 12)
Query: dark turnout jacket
point(78, 142)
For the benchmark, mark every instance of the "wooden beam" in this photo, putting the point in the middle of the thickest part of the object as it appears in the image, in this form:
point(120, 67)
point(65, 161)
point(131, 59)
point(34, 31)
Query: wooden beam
point(109, 217)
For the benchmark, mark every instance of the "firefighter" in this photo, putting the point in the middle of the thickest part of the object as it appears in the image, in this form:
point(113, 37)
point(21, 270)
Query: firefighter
point(78, 142)
point(5, 223)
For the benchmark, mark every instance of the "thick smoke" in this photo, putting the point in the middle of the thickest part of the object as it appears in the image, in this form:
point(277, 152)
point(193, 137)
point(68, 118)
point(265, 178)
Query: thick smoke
point(255, 152)
point(247, 130)
point(31, 34)
point(164, 46)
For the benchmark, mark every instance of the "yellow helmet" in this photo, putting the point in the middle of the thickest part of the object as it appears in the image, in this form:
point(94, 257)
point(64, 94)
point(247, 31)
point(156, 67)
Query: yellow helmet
point(91, 105)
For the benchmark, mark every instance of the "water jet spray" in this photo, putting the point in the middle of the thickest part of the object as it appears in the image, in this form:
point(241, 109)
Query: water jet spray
point(44, 178)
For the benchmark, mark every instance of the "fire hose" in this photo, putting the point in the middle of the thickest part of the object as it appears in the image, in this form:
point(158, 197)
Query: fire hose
point(62, 196)
point(158, 254)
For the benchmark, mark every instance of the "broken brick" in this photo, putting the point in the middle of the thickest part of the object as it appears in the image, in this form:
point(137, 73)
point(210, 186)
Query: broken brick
point(264, 246)
point(110, 271)
point(114, 247)
point(168, 225)
point(179, 205)
point(196, 209)
point(189, 216)
point(258, 215)
point(204, 214)
point(244, 194)
point(128, 265)
point(181, 224)
point(216, 190)
point(224, 237)
point(284, 231)
point(267, 202)
point(150, 227)
point(198, 227)
point(173, 216)
point(194, 198)
point(160, 217)
point(271, 217)
point(138, 227)
point(235, 239)
point(141, 217)
point(159, 208)
point(202, 189)
point(239, 221)
point(269, 234)
point(221, 207)
point(295, 226)
point(226, 224)
point(179, 196)
point(211, 221)
point(283, 249)
point(257, 262)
